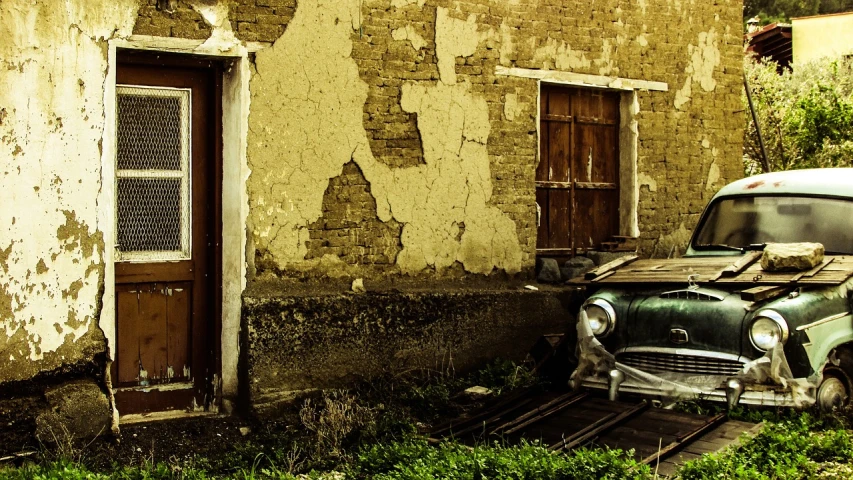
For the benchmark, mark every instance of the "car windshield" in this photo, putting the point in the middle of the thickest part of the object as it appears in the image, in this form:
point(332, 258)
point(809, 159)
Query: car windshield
point(743, 221)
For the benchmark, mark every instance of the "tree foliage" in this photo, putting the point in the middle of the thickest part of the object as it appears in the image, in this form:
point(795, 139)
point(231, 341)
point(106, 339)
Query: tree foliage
point(806, 115)
point(784, 10)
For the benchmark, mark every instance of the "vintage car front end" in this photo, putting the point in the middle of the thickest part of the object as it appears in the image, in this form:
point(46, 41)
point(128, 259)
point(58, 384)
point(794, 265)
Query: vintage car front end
point(705, 343)
point(715, 324)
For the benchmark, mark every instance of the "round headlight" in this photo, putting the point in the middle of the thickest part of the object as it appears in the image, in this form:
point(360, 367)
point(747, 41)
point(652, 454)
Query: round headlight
point(601, 317)
point(767, 330)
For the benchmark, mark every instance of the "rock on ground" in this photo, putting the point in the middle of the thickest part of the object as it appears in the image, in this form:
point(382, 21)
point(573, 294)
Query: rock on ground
point(77, 410)
point(549, 270)
point(575, 267)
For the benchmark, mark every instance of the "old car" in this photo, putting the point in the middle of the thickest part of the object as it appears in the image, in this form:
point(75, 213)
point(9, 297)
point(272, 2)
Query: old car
point(715, 324)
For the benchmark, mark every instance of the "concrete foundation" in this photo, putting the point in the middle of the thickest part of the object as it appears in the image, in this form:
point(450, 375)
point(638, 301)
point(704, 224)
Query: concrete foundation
point(298, 341)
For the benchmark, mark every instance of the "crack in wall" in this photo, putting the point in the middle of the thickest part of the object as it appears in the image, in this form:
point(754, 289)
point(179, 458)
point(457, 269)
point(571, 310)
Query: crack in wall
point(452, 187)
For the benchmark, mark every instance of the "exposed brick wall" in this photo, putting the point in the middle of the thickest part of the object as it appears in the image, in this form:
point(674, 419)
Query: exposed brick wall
point(251, 20)
point(349, 228)
point(182, 21)
point(385, 64)
point(686, 153)
point(261, 20)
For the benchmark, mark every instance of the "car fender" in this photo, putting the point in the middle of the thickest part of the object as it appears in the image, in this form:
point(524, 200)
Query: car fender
point(825, 335)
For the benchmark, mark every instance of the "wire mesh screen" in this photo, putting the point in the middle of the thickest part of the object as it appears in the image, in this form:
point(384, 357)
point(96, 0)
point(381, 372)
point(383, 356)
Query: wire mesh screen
point(149, 214)
point(149, 132)
point(153, 174)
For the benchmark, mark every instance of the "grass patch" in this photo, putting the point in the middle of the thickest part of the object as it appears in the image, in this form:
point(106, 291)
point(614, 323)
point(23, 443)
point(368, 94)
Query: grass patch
point(415, 458)
point(793, 445)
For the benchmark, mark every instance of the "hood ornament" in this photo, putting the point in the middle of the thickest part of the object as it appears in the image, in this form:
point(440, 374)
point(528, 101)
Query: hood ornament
point(691, 282)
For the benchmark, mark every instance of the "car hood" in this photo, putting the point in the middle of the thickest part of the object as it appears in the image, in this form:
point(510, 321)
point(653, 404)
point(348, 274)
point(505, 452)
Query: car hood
point(696, 319)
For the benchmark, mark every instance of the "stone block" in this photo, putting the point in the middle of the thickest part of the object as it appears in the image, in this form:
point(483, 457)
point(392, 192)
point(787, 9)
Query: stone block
point(548, 270)
point(299, 337)
point(786, 257)
point(575, 267)
point(78, 409)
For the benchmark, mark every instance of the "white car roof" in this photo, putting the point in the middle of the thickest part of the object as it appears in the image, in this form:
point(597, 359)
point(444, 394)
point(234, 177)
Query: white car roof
point(837, 182)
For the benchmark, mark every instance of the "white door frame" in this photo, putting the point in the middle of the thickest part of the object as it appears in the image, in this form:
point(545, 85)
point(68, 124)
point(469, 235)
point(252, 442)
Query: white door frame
point(235, 202)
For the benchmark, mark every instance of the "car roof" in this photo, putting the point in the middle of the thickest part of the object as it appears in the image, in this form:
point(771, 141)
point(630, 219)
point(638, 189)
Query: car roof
point(837, 182)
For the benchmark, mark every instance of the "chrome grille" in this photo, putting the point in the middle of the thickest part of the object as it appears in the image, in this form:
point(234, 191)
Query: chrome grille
point(691, 294)
point(662, 362)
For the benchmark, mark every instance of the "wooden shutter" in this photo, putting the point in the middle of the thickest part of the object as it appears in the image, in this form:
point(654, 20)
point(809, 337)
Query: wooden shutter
point(577, 180)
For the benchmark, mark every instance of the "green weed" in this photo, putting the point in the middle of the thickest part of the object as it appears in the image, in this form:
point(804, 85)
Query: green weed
point(793, 448)
point(414, 458)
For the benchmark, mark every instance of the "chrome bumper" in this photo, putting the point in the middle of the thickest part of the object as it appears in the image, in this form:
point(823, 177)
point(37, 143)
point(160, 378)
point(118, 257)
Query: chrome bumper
point(751, 395)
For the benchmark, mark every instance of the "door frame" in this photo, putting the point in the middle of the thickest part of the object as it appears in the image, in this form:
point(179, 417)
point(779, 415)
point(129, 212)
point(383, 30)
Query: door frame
point(231, 256)
point(629, 109)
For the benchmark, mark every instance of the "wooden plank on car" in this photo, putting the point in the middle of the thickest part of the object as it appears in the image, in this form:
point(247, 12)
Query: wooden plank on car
point(764, 292)
point(813, 271)
point(739, 266)
point(610, 266)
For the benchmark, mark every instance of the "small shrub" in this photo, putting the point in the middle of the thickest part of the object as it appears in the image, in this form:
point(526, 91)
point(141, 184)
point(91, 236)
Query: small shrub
point(333, 421)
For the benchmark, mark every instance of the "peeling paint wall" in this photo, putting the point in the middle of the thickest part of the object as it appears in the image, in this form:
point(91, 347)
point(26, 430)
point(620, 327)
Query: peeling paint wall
point(442, 202)
point(54, 63)
point(380, 139)
point(409, 93)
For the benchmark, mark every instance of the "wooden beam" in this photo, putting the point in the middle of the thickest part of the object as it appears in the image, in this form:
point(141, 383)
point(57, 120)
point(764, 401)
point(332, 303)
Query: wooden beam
point(582, 80)
point(595, 186)
point(607, 267)
point(554, 185)
point(739, 266)
point(551, 117)
point(814, 271)
point(758, 294)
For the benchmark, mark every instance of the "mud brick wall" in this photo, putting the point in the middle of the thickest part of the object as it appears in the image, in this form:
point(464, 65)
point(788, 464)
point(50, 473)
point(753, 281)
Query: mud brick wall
point(182, 21)
point(688, 144)
point(353, 233)
point(251, 20)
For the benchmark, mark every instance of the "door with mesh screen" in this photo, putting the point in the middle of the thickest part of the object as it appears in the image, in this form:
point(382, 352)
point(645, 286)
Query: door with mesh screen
point(166, 233)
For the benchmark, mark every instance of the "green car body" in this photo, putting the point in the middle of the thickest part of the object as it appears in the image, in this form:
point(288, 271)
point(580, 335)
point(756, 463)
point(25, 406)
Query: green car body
point(678, 341)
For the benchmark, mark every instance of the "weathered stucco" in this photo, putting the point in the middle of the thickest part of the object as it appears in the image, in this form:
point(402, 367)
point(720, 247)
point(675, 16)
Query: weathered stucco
point(54, 63)
point(442, 203)
point(407, 89)
point(704, 59)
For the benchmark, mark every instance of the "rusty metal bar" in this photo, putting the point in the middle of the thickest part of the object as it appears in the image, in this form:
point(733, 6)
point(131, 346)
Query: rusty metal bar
point(491, 419)
point(488, 411)
point(765, 164)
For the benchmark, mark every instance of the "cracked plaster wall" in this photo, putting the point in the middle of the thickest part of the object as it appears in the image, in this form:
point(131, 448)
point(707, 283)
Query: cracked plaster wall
point(446, 148)
point(53, 62)
point(464, 195)
point(443, 203)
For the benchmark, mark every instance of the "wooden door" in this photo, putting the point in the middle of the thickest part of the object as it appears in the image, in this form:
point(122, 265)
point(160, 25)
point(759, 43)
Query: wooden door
point(577, 179)
point(167, 234)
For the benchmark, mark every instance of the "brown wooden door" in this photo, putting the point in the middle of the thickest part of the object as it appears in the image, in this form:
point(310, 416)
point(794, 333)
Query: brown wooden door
point(577, 180)
point(167, 235)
